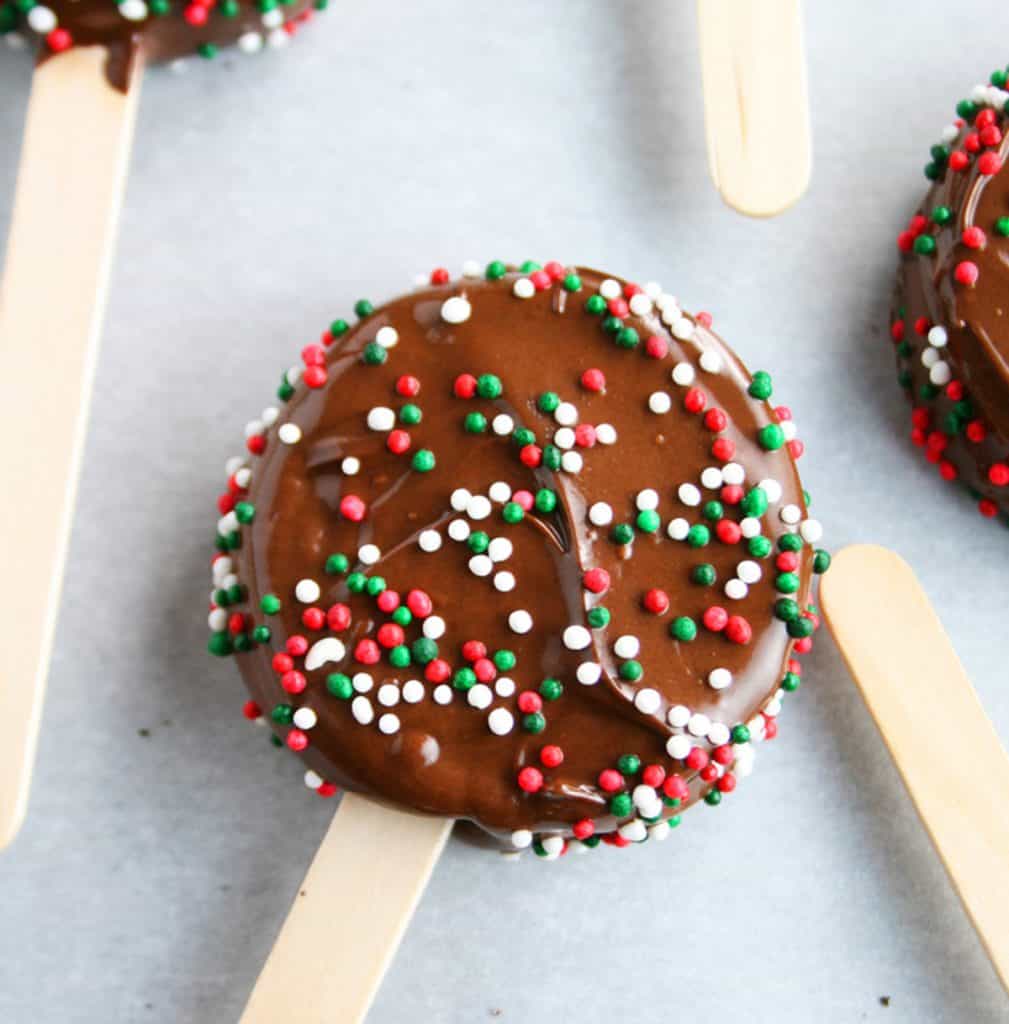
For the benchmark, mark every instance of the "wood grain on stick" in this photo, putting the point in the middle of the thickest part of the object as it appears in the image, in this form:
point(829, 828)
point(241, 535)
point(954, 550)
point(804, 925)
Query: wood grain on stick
point(69, 191)
point(920, 696)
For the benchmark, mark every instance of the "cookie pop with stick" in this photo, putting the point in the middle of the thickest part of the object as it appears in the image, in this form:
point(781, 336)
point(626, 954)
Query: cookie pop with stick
point(70, 185)
point(528, 548)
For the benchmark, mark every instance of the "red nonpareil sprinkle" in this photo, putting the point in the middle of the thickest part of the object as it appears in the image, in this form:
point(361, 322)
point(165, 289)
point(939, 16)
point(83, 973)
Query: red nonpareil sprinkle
point(723, 449)
point(225, 503)
point(367, 652)
point(656, 601)
point(440, 276)
point(474, 650)
point(297, 740)
point(727, 783)
point(596, 581)
point(985, 118)
point(59, 40)
point(464, 386)
point(704, 319)
point(256, 444)
point(583, 829)
point(715, 618)
point(610, 780)
point(921, 418)
point(989, 163)
point(541, 280)
point(485, 670)
point(966, 273)
point(947, 470)
point(787, 561)
point(252, 710)
point(327, 789)
point(738, 630)
point(353, 508)
point(236, 623)
point(338, 617)
point(954, 390)
point(973, 237)
point(585, 435)
point(407, 386)
point(715, 420)
point(653, 775)
point(905, 240)
point(676, 788)
point(398, 441)
point(990, 135)
point(524, 499)
point(804, 646)
point(656, 347)
point(796, 448)
point(958, 160)
point(897, 330)
point(551, 755)
point(313, 355)
point(618, 308)
point(708, 773)
point(390, 635)
point(694, 400)
point(987, 508)
point(314, 376)
point(529, 702)
point(770, 729)
point(976, 431)
point(437, 671)
point(631, 289)
point(727, 531)
point(593, 380)
point(972, 143)
point(282, 663)
point(731, 494)
point(387, 601)
point(419, 603)
point(296, 646)
point(530, 779)
point(922, 325)
point(293, 681)
point(530, 455)
point(313, 618)
point(998, 474)
point(722, 755)
point(697, 759)
point(554, 270)
point(195, 14)
point(938, 442)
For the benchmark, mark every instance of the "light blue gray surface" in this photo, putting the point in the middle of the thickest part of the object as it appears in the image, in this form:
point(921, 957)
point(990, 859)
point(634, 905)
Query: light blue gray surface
point(265, 196)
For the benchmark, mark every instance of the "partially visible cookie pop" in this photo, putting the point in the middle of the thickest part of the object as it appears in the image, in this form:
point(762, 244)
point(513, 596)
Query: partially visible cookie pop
point(949, 322)
point(73, 167)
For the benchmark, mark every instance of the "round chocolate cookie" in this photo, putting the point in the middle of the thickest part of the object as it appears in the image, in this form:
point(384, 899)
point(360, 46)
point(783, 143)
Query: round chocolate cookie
point(528, 548)
point(162, 30)
point(950, 321)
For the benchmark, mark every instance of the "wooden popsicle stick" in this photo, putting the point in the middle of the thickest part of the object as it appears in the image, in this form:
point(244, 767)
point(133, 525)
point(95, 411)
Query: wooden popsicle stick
point(917, 691)
point(756, 109)
point(349, 916)
point(69, 191)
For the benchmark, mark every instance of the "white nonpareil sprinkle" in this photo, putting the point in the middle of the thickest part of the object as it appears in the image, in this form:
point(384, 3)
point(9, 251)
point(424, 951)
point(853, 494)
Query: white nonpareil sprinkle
point(429, 540)
point(600, 514)
point(719, 678)
point(478, 507)
point(789, 430)
point(502, 424)
point(480, 696)
point(566, 414)
point(217, 620)
point(41, 19)
point(499, 549)
point(368, 554)
point(228, 523)
point(733, 473)
point(718, 733)
point(749, 571)
point(471, 268)
point(520, 621)
point(606, 433)
point(307, 591)
point(749, 527)
point(250, 42)
point(790, 514)
point(658, 831)
point(633, 831)
point(640, 304)
point(647, 701)
point(387, 337)
point(362, 682)
point(678, 716)
point(698, 725)
point(571, 462)
point(350, 466)
point(434, 627)
point(678, 528)
point(233, 464)
point(745, 756)
point(456, 310)
point(388, 695)
point(659, 402)
point(627, 646)
point(929, 357)
point(736, 590)
point(588, 673)
point(329, 648)
point(683, 374)
point(564, 437)
point(712, 478)
point(504, 582)
point(458, 530)
point(523, 288)
point(711, 361)
point(937, 336)
point(647, 500)
point(388, 724)
point(677, 747)
point(576, 638)
point(771, 488)
point(305, 718)
point(609, 289)
point(811, 531)
point(131, 10)
point(504, 687)
point(273, 18)
point(500, 721)
point(413, 691)
point(773, 707)
point(313, 779)
point(682, 328)
point(481, 565)
point(459, 499)
point(499, 491)
point(521, 838)
point(381, 418)
point(940, 374)
point(689, 495)
point(644, 797)
point(442, 694)
point(361, 709)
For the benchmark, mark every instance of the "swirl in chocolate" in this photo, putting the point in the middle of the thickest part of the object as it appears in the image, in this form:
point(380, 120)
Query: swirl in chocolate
point(950, 321)
point(159, 30)
point(527, 548)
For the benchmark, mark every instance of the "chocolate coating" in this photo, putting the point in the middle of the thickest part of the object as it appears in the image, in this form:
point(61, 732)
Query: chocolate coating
point(444, 758)
point(950, 317)
point(160, 30)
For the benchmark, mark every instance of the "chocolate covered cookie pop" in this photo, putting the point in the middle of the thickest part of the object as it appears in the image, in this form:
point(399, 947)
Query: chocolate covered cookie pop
point(949, 322)
point(528, 548)
point(162, 30)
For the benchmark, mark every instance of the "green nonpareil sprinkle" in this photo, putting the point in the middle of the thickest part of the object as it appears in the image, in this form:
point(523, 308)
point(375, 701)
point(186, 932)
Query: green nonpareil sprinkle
point(474, 423)
point(631, 671)
point(270, 604)
point(622, 533)
point(595, 304)
point(760, 386)
point(513, 512)
point(551, 689)
point(572, 283)
point(598, 617)
point(337, 564)
point(423, 461)
point(363, 308)
point(548, 401)
point(647, 521)
point(534, 722)
point(545, 500)
point(495, 270)
point(488, 385)
point(683, 628)
point(703, 575)
point(504, 660)
point(478, 542)
point(339, 685)
point(374, 354)
point(410, 414)
point(628, 764)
